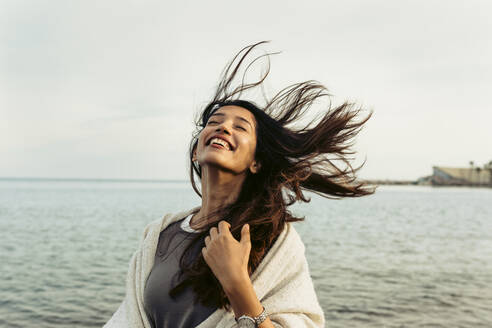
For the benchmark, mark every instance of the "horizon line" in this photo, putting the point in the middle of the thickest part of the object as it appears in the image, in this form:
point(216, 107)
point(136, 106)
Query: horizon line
point(153, 180)
point(92, 179)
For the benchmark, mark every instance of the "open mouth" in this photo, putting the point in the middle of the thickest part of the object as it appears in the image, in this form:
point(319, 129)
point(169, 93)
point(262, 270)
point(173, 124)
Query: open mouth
point(219, 143)
point(218, 146)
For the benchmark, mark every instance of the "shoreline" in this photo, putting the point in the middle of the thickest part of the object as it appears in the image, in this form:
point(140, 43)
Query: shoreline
point(375, 182)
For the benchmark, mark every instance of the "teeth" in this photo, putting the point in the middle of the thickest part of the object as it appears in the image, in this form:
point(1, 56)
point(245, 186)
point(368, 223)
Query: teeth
point(220, 142)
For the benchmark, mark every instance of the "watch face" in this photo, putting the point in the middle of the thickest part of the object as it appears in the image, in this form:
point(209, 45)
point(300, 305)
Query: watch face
point(245, 323)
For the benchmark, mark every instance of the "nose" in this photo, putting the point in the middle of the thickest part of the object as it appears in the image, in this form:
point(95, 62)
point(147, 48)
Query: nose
point(223, 127)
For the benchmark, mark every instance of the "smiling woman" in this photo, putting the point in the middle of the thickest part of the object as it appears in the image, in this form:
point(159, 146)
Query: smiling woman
point(236, 260)
point(229, 142)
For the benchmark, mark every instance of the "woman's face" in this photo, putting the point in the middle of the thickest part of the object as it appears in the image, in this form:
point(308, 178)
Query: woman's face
point(228, 141)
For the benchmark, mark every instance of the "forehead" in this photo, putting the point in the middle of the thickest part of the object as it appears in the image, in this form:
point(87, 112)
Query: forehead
point(235, 112)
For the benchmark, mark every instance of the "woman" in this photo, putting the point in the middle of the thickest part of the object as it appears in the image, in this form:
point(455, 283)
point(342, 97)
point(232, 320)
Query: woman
point(236, 260)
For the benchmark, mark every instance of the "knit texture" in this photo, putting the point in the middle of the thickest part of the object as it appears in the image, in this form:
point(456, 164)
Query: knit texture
point(281, 281)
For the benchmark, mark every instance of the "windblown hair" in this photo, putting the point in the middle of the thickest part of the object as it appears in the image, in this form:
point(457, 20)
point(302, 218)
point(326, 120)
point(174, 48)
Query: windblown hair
point(313, 158)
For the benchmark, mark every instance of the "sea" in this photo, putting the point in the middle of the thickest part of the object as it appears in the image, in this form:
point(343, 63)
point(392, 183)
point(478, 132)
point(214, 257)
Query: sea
point(407, 256)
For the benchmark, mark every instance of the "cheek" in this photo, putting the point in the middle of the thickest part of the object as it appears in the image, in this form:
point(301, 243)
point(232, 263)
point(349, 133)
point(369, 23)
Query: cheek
point(201, 138)
point(250, 145)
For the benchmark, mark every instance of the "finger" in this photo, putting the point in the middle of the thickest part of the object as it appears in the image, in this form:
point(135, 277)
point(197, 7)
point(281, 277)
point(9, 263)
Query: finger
point(213, 233)
point(204, 252)
point(245, 236)
point(207, 240)
point(224, 227)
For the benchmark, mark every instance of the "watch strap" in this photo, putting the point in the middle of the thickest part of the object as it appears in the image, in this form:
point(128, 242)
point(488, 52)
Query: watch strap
point(257, 320)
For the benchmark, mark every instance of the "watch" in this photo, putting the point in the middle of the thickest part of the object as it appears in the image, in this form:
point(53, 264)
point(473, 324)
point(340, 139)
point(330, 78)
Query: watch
point(246, 322)
point(249, 322)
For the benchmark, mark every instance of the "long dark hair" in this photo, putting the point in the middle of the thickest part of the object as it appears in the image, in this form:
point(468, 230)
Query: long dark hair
point(313, 158)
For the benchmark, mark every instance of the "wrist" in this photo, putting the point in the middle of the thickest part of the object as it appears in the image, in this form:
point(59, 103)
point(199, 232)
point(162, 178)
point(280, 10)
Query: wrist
point(243, 298)
point(237, 284)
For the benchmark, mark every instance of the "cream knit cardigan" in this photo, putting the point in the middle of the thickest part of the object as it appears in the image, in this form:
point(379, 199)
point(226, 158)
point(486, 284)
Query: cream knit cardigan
point(281, 281)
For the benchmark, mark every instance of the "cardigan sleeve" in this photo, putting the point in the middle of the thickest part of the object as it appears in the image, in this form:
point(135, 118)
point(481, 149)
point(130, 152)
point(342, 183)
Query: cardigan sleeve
point(131, 312)
point(292, 302)
point(123, 315)
point(119, 317)
point(128, 314)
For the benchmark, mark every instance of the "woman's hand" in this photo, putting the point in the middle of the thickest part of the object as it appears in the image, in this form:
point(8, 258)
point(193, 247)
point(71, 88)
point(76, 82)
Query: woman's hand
point(226, 257)
point(228, 260)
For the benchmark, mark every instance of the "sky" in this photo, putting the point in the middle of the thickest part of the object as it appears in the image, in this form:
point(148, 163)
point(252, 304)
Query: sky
point(110, 89)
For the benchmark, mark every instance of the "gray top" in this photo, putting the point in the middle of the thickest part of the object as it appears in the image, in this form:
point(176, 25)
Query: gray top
point(161, 309)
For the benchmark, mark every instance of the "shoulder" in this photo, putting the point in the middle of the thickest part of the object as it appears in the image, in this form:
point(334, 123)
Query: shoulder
point(287, 252)
point(294, 235)
point(289, 236)
point(285, 286)
point(293, 248)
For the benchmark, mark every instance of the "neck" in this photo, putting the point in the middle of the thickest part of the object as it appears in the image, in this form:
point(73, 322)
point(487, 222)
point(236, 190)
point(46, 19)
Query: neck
point(219, 189)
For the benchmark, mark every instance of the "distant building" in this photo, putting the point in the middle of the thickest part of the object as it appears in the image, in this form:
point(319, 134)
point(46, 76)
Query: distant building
point(475, 176)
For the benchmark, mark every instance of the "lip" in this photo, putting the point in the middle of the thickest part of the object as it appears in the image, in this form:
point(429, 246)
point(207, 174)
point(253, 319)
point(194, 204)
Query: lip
point(217, 146)
point(220, 137)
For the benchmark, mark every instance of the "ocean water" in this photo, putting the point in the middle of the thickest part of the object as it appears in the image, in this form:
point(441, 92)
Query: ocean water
point(403, 257)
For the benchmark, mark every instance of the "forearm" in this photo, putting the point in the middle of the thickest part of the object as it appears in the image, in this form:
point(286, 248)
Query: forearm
point(244, 300)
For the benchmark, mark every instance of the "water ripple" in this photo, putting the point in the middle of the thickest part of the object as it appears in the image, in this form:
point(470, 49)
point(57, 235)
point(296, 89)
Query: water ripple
point(404, 257)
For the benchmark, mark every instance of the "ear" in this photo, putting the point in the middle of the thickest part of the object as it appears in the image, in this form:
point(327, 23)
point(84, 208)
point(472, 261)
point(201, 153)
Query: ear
point(255, 167)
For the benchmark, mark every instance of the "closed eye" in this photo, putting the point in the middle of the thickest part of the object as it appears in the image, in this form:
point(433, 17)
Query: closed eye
point(240, 127)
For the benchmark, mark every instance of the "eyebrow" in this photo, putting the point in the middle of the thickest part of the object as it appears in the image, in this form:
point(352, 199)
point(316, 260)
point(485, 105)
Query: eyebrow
point(239, 117)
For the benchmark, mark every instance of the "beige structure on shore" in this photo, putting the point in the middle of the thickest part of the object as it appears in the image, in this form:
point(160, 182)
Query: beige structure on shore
point(473, 176)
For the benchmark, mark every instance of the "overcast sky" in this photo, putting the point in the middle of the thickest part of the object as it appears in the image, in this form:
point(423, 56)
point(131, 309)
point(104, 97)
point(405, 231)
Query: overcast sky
point(109, 89)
